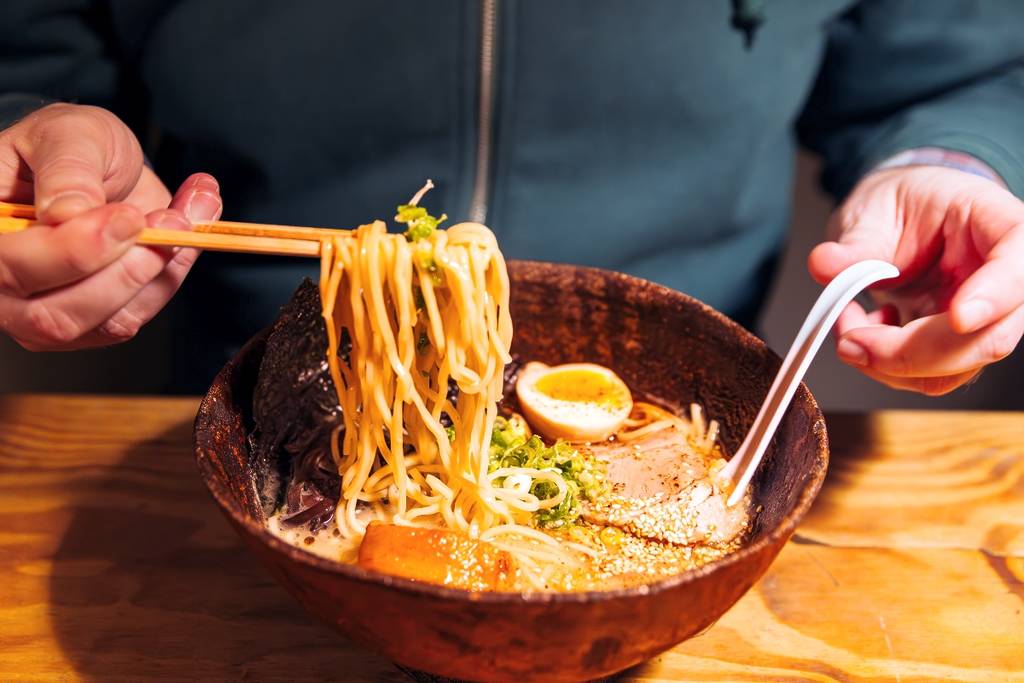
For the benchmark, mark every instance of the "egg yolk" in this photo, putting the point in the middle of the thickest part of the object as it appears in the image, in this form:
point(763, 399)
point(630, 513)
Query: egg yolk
point(581, 386)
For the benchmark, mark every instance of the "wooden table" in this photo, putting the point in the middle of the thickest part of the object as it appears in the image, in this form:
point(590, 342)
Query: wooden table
point(115, 564)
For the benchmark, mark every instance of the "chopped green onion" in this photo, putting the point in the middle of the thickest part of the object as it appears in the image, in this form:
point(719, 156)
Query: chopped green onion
point(584, 476)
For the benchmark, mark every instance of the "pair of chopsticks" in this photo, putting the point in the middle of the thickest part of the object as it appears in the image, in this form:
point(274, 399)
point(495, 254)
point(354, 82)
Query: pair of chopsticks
point(246, 238)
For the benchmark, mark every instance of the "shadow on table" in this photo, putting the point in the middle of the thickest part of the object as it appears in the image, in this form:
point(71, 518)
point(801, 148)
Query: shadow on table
point(150, 583)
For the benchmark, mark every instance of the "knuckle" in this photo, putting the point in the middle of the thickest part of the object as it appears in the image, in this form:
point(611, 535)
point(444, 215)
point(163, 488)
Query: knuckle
point(961, 207)
point(85, 116)
point(182, 263)
point(37, 121)
point(97, 113)
point(1000, 344)
point(900, 363)
point(10, 283)
point(58, 121)
point(58, 108)
point(168, 218)
point(50, 324)
point(124, 149)
point(50, 120)
point(844, 220)
point(122, 327)
point(80, 261)
point(133, 274)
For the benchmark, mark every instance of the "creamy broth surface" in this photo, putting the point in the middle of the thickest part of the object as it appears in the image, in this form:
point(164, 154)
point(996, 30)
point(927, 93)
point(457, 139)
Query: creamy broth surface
point(664, 513)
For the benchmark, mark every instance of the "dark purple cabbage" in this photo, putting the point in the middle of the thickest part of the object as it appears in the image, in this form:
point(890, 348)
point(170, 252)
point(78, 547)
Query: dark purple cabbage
point(295, 409)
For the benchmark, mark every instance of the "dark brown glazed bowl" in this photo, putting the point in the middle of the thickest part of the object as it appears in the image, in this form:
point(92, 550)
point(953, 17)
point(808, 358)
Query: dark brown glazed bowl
point(664, 344)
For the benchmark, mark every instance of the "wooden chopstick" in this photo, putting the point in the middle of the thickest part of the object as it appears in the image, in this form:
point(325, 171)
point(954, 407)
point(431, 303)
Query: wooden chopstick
point(247, 238)
point(17, 210)
point(266, 230)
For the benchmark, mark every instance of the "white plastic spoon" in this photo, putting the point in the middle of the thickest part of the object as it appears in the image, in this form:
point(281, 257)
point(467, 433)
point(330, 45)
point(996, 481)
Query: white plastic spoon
point(841, 291)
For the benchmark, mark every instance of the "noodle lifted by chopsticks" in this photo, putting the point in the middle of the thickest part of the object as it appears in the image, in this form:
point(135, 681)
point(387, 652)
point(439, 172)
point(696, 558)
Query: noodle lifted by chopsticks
point(419, 312)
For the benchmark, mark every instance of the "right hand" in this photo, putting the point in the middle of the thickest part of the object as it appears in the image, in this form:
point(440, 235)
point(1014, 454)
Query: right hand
point(78, 279)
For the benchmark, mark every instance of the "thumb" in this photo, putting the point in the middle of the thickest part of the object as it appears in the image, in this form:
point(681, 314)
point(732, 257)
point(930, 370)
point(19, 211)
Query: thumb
point(828, 259)
point(68, 179)
point(857, 241)
point(71, 155)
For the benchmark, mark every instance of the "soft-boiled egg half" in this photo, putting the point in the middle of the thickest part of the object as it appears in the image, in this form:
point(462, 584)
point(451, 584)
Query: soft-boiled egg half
point(575, 402)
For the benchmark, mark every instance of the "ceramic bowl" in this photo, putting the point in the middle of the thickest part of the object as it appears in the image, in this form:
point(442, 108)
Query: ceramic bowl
point(665, 345)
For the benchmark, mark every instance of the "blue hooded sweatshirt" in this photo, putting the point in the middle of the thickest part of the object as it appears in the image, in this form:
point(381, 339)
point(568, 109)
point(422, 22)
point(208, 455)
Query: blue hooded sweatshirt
point(644, 137)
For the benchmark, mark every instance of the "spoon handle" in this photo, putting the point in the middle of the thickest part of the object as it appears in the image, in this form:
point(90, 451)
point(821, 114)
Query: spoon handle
point(841, 291)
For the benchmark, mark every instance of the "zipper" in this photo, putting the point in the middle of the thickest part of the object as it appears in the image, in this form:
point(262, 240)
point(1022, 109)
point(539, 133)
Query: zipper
point(485, 112)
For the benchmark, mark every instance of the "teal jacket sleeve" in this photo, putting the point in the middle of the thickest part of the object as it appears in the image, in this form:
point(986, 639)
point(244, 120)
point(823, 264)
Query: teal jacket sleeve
point(901, 74)
point(55, 51)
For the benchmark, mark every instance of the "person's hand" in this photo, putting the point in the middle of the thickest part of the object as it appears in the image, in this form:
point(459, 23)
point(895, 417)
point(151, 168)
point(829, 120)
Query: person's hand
point(958, 305)
point(77, 279)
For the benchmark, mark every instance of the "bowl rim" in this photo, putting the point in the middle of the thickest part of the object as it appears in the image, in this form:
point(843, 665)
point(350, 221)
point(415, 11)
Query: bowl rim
point(781, 532)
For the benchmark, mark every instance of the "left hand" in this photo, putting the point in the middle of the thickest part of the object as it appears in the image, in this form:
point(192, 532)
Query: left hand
point(958, 305)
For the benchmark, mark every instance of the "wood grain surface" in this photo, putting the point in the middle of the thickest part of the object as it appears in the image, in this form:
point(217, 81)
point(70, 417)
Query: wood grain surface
point(115, 564)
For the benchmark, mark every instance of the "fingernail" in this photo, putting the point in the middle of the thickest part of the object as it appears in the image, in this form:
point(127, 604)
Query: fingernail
point(207, 182)
point(852, 352)
point(123, 225)
point(975, 314)
point(67, 205)
point(203, 206)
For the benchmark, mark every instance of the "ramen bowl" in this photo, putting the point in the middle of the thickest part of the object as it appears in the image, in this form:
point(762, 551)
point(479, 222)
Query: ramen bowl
point(666, 346)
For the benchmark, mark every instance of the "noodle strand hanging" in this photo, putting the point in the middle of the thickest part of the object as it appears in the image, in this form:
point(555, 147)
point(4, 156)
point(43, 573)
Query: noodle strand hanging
point(418, 335)
point(420, 313)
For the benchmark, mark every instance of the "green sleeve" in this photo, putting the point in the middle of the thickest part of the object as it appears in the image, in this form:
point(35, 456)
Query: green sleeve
point(55, 51)
point(900, 74)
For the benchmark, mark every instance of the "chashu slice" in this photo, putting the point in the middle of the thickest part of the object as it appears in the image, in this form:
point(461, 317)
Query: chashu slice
point(662, 489)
